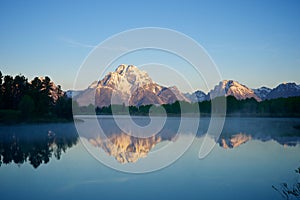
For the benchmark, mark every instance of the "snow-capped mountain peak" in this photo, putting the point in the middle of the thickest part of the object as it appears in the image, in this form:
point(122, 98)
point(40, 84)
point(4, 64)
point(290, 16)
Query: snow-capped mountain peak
point(126, 78)
point(197, 96)
point(262, 92)
point(130, 85)
point(284, 90)
point(232, 88)
point(93, 84)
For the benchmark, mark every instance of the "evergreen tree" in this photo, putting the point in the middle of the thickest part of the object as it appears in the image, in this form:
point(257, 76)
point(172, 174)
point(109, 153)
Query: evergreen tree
point(26, 106)
point(8, 92)
point(1, 101)
point(20, 88)
point(1, 78)
point(34, 92)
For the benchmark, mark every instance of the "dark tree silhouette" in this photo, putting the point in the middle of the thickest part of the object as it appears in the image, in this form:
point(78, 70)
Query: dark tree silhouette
point(1, 100)
point(281, 107)
point(7, 91)
point(26, 106)
point(20, 87)
point(1, 79)
point(38, 99)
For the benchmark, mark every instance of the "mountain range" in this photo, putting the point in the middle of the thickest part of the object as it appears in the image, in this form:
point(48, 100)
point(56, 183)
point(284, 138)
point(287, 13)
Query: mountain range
point(240, 92)
point(128, 85)
point(131, 86)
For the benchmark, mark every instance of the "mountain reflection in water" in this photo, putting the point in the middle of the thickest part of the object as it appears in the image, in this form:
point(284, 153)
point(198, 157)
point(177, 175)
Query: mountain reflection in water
point(126, 148)
point(129, 149)
point(234, 140)
point(122, 145)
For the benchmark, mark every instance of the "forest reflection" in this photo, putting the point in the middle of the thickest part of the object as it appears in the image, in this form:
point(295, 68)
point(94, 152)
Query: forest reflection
point(37, 148)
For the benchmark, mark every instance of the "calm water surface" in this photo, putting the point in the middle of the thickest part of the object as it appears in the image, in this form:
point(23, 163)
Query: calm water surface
point(49, 161)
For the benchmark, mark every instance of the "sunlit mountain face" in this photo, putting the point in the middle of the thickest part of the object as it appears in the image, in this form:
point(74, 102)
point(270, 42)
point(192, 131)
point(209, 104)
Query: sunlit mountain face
point(129, 85)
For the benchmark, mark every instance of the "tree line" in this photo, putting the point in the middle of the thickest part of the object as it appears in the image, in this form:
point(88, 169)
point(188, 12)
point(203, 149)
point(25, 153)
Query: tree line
point(281, 107)
point(37, 99)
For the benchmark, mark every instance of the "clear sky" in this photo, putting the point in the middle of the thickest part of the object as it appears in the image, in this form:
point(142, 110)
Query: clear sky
point(254, 42)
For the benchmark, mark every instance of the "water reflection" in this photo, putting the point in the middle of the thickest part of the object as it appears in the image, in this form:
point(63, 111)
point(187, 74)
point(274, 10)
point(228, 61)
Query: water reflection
point(234, 140)
point(128, 149)
point(35, 145)
point(121, 144)
point(229, 141)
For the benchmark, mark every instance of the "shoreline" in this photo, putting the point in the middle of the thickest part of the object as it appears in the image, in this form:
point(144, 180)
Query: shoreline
point(77, 118)
point(193, 115)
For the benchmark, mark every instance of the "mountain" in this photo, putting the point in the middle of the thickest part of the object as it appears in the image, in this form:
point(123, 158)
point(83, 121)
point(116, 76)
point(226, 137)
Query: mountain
point(224, 88)
point(72, 93)
point(240, 91)
point(262, 92)
point(232, 88)
point(131, 86)
point(197, 96)
point(284, 90)
point(128, 85)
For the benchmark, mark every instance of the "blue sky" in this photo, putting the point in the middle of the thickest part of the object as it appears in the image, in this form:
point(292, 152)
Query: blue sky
point(254, 42)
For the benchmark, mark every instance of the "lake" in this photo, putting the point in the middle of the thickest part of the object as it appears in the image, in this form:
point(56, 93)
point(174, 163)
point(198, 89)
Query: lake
point(51, 161)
